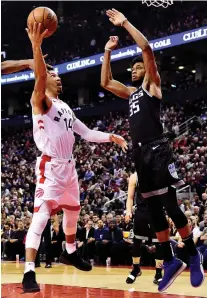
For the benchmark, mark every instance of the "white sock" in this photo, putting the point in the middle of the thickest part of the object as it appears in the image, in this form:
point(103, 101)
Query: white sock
point(70, 247)
point(29, 266)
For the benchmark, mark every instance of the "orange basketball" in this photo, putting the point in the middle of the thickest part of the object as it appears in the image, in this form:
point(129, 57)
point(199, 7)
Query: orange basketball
point(46, 17)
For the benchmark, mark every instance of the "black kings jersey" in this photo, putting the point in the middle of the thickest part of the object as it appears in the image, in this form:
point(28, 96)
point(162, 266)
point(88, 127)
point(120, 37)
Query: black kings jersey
point(144, 116)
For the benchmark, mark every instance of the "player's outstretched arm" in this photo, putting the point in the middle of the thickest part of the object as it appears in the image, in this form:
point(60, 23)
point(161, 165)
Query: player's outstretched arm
point(97, 136)
point(40, 70)
point(130, 197)
point(118, 19)
point(107, 81)
point(10, 66)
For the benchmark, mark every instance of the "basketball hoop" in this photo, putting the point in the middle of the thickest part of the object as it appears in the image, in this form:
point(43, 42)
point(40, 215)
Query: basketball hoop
point(158, 3)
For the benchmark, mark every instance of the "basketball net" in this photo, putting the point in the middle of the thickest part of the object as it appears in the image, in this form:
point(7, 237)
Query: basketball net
point(158, 3)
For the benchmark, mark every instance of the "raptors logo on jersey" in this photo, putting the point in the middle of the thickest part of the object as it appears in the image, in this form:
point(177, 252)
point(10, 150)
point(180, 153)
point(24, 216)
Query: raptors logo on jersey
point(53, 131)
point(39, 193)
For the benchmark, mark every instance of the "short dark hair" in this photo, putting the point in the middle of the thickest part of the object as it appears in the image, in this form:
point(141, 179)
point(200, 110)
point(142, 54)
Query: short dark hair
point(49, 67)
point(7, 224)
point(137, 59)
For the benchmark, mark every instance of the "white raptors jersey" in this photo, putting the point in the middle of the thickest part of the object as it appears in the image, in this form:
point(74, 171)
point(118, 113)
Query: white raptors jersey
point(53, 132)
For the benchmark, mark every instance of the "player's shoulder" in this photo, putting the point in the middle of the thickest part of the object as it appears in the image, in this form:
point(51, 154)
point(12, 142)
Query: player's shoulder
point(132, 90)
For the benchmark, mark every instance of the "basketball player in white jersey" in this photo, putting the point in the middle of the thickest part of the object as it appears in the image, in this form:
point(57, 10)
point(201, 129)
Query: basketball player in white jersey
point(54, 124)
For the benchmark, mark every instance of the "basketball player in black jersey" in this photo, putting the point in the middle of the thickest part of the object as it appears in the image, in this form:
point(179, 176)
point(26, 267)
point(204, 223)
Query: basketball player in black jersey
point(142, 231)
point(153, 155)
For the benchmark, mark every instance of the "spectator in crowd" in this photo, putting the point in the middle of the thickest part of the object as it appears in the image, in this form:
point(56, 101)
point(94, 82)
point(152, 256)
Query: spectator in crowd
point(18, 246)
point(112, 244)
point(89, 174)
point(95, 221)
point(86, 207)
point(203, 224)
point(109, 218)
point(119, 194)
point(117, 205)
point(119, 223)
point(203, 246)
point(88, 240)
point(57, 238)
point(7, 241)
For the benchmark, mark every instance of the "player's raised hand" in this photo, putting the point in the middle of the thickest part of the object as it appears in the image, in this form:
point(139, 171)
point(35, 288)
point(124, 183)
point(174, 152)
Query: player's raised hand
point(34, 33)
point(116, 17)
point(112, 43)
point(120, 141)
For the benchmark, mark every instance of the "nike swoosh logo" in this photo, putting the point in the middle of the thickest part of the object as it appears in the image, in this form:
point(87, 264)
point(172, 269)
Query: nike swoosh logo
point(153, 148)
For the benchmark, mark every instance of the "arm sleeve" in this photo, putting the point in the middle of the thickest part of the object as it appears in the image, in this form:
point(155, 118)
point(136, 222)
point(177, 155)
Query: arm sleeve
point(89, 134)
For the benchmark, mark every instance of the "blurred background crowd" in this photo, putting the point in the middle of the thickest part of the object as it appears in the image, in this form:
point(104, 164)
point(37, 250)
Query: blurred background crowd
point(103, 171)
point(85, 31)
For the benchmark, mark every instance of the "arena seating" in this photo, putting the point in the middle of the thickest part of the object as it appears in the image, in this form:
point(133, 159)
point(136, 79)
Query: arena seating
point(103, 171)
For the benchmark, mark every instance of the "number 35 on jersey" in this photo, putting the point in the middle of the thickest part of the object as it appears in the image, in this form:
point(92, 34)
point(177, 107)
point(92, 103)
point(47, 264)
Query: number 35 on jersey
point(134, 103)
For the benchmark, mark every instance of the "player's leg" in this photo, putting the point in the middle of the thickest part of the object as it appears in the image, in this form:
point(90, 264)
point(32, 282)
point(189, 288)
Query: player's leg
point(71, 208)
point(180, 221)
point(140, 230)
point(70, 255)
point(158, 262)
point(163, 175)
point(172, 266)
point(33, 238)
point(136, 256)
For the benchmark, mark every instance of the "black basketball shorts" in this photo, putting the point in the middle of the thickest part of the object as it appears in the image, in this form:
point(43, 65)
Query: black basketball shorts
point(155, 168)
point(143, 229)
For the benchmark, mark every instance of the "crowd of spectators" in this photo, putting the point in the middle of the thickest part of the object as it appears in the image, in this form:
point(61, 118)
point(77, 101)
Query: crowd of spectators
point(103, 171)
point(86, 31)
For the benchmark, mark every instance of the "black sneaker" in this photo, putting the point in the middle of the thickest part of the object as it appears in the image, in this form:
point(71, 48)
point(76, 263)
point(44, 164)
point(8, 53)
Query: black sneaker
point(75, 260)
point(157, 279)
point(132, 276)
point(37, 265)
point(29, 282)
point(49, 265)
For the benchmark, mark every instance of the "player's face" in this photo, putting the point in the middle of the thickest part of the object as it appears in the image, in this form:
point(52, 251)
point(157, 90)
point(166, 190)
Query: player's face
point(138, 71)
point(54, 82)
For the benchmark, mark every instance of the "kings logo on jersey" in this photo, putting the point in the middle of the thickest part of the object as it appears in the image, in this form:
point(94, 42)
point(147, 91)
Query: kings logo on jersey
point(173, 171)
point(134, 103)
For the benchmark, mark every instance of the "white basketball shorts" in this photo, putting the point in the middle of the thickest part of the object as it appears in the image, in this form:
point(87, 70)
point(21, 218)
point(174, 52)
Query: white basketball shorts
point(57, 181)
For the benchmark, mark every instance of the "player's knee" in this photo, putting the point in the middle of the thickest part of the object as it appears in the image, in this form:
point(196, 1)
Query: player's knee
point(70, 219)
point(178, 217)
point(174, 211)
point(37, 226)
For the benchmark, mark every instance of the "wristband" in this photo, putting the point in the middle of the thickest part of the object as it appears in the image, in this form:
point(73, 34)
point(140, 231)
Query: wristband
point(123, 22)
point(106, 49)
